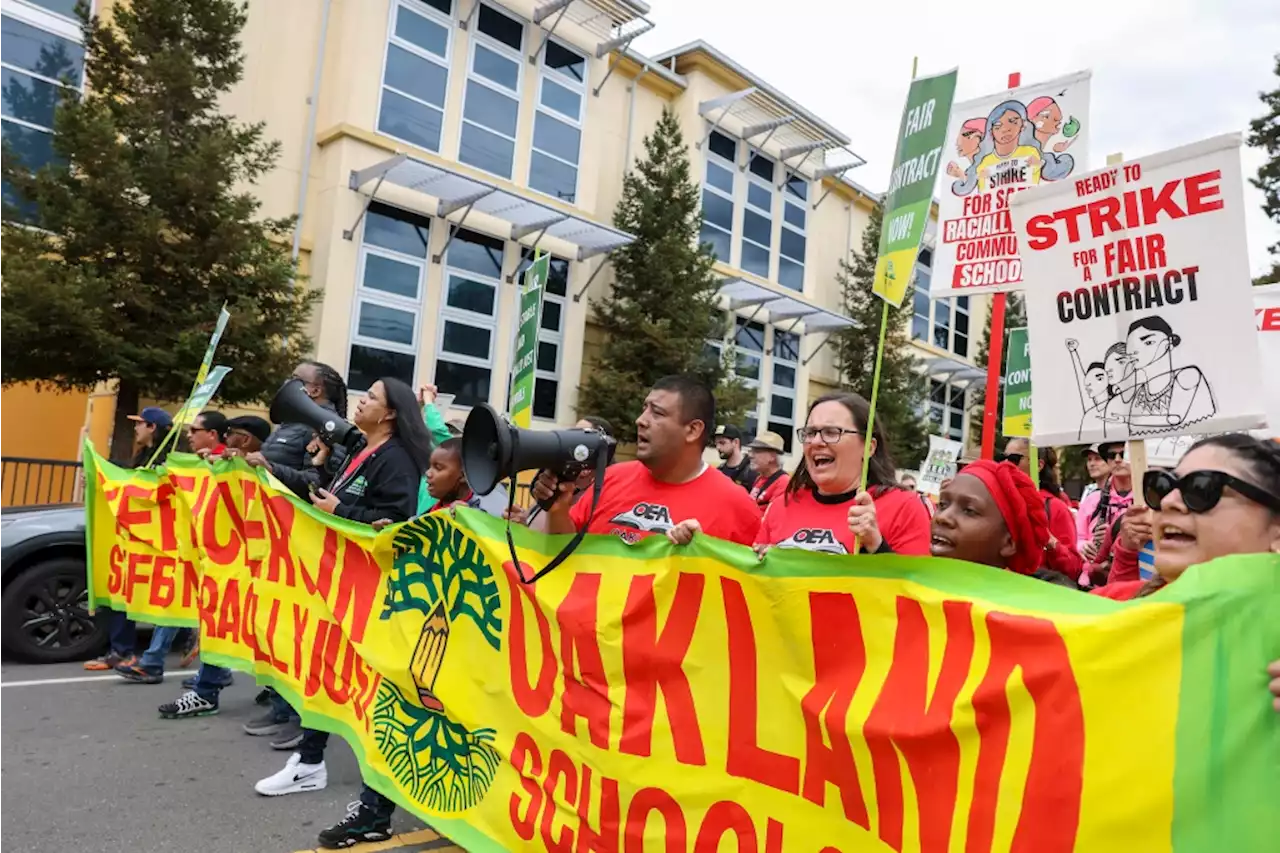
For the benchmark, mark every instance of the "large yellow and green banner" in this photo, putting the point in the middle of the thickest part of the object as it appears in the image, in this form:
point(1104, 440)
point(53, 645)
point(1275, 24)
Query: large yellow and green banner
point(654, 698)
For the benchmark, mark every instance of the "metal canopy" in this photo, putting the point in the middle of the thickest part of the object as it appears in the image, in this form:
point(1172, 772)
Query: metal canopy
point(455, 191)
point(946, 369)
point(615, 23)
point(744, 294)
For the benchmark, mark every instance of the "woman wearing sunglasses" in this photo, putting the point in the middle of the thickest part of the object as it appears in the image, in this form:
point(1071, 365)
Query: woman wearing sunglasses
point(823, 509)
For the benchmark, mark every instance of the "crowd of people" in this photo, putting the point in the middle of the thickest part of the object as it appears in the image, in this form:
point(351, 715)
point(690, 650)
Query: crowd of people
point(1223, 498)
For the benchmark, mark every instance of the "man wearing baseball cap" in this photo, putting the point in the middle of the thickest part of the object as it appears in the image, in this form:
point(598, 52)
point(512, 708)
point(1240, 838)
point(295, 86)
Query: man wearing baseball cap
point(771, 481)
point(737, 466)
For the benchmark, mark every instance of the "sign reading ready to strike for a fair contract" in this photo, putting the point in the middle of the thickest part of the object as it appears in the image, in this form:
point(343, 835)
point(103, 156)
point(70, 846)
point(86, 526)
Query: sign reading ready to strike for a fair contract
point(1142, 317)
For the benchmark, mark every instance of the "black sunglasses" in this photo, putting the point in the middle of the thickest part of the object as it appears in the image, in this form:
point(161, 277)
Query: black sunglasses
point(1015, 458)
point(1201, 490)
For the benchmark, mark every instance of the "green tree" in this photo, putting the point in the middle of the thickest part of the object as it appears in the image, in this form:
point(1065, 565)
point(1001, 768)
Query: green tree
point(146, 224)
point(1264, 133)
point(662, 308)
point(903, 390)
point(1015, 316)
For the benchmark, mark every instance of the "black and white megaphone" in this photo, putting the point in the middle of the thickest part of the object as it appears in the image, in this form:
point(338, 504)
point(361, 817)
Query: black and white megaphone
point(493, 450)
point(292, 406)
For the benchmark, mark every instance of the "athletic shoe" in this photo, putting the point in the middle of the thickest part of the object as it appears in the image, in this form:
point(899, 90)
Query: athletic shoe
point(139, 674)
point(362, 824)
point(266, 725)
point(290, 736)
point(295, 778)
point(263, 697)
point(190, 681)
point(190, 655)
point(108, 662)
point(189, 704)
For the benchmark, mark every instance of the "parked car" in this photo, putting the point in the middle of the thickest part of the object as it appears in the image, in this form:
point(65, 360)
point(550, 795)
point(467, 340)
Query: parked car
point(44, 607)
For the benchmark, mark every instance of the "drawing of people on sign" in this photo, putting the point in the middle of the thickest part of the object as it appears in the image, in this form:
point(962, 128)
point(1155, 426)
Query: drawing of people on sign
point(967, 144)
point(1008, 154)
point(1046, 116)
point(1145, 392)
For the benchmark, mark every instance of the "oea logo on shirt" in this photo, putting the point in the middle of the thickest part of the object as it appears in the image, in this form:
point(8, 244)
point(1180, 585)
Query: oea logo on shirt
point(649, 517)
point(814, 539)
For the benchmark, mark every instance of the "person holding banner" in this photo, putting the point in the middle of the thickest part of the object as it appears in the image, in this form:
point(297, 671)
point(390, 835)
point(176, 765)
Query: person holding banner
point(822, 508)
point(289, 446)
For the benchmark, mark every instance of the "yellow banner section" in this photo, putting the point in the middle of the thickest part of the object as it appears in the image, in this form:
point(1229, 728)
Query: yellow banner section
point(650, 698)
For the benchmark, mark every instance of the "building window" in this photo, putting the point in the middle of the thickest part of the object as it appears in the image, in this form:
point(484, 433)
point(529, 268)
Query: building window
point(547, 362)
point(557, 124)
point(717, 195)
point(921, 305)
point(757, 217)
point(468, 317)
point(960, 328)
point(941, 322)
point(782, 391)
point(415, 77)
point(391, 280)
point(792, 247)
point(492, 106)
point(40, 66)
point(946, 409)
point(748, 340)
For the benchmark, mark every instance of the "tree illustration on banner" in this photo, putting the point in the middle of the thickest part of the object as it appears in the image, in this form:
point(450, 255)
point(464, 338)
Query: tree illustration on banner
point(441, 573)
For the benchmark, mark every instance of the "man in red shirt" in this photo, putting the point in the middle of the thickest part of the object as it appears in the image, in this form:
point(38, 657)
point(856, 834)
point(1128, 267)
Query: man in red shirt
point(668, 489)
point(771, 481)
point(207, 434)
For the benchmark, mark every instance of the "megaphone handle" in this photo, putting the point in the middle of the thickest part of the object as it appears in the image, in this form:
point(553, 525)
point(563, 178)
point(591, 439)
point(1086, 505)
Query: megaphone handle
point(602, 462)
point(555, 493)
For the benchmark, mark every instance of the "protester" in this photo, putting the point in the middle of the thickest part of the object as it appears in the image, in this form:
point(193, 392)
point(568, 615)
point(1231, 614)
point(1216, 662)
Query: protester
point(1060, 554)
point(771, 481)
point(207, 434)
point(379, 481)
point(1098, 470)
point(823, 508)
point(439, 433)
point(446, 481)
point(248, 434)
point(1102, 514)
point(737, 465)
point(668, 489)
point(582, 485)
point(908, 482)
point(289, 446)
point(993, 515)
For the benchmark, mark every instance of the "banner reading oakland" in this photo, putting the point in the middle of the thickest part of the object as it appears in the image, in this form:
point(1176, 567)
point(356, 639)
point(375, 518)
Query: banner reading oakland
point(697, 699)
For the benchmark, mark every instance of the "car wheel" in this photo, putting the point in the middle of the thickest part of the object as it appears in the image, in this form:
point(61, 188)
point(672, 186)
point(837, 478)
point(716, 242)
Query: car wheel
point(46, 616)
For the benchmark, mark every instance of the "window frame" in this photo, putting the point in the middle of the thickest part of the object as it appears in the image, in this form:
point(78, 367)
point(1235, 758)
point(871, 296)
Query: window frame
point(479, 39)
point(947, 410)
point(776, 390)
point(436, 16)
point(756, 180)
point(732, 167)
point(801, 204)
point(462, 316)
point(546, 73)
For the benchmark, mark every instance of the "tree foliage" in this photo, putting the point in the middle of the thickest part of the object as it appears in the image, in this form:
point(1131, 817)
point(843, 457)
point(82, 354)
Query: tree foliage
point(903, 389)
point(1264, 133)
point(146, 223)
point(662, 308)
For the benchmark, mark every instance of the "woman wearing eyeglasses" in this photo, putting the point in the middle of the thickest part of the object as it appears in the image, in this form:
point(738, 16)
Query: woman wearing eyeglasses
point(823, 509)
point(1222, 499)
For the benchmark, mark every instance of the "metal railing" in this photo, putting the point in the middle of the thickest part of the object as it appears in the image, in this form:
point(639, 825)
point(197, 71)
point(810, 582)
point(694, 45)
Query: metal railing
point(37, 482)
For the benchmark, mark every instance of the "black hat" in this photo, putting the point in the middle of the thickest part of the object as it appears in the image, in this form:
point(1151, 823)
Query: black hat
point(255, 426)
point(729, 431)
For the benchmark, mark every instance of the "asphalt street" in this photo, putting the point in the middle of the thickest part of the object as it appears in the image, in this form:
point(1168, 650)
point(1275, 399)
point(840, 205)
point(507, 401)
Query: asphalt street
point(89, 765)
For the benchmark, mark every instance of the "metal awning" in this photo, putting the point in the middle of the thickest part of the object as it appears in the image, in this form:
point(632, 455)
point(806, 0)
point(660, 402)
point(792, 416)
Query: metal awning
point(946, 369)
point(614, 23)
point(453, 191)
point(745, 294)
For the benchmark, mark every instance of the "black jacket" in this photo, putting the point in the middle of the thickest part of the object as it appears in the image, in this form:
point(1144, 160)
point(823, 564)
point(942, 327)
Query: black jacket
point(385, 485)
point(286, 450)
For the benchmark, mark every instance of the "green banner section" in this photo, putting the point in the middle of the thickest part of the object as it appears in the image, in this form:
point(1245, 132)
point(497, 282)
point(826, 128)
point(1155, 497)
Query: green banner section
point(1016, 418)
point(535, 279)
point(915, 167)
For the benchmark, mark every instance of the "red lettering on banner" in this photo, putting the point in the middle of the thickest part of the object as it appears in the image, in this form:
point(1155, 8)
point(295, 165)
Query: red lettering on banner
point(534, 699)
point(168, 516)
point(279, 515)
point(229, 616)
point(374, 683)
point(653, 660)
point(222, 553)
point(319, 582)
point(300, 619)
point(312, 685)
point(190, 583)
point(135, 576)
point(1051, 798)
point(722, 818)
point(1268, 319)
point(357, 586)
point(559, 766)
point(127, 518)
point(163, 586)
point(115, 580)
point(746, 758)
point(208, 607)
point(655, 800)
point(525, 751)
point(910, 720)
point(337, 680)
point(839, 661)
point(773, 837)
point(586, 694)
point(269, 643)
point(606, 840)
point(249, 619)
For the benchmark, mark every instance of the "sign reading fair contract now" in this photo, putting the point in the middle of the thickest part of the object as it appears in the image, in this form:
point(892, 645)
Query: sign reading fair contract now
point(535, 280)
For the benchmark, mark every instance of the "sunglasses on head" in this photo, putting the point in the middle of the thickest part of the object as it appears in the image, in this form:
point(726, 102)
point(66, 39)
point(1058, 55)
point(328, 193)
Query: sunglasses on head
point(1201, 490)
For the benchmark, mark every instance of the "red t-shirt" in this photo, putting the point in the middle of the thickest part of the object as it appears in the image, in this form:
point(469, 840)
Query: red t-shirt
point(802, 520)
point(764, 494)
point(634, 505)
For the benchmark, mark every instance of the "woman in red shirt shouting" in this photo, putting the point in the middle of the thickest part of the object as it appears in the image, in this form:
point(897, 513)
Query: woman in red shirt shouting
point(822, 509)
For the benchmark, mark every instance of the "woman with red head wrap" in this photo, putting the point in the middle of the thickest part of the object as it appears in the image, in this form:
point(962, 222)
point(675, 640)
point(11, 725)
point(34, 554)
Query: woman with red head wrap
point(992, 514)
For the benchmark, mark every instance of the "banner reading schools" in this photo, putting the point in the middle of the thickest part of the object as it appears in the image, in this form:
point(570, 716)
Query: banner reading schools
point(1142, 315)
point(1016, 418)
point(652, 698)
point(910, 195)
point(1004, 143)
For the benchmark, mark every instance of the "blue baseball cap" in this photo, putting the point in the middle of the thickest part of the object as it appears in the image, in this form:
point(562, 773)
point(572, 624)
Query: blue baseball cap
point(155, 416)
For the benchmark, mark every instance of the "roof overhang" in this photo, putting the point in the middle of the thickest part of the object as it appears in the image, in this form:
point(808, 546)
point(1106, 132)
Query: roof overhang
point(946, 369)
point(453, 190)
point(613, 23)
point(741, 293)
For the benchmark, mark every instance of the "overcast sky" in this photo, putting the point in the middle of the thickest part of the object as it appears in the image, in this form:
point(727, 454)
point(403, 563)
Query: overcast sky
point(1165, 72)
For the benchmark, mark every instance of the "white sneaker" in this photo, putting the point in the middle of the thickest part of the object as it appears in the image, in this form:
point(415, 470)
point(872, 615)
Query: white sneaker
point(295, 778)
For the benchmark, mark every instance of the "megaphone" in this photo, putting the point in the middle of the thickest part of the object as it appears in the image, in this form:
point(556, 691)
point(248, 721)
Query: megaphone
point(292, 406)
point(494, 450)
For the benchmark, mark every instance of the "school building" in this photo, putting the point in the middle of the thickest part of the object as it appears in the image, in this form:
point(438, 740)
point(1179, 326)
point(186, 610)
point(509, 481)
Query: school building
point(431, 146)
